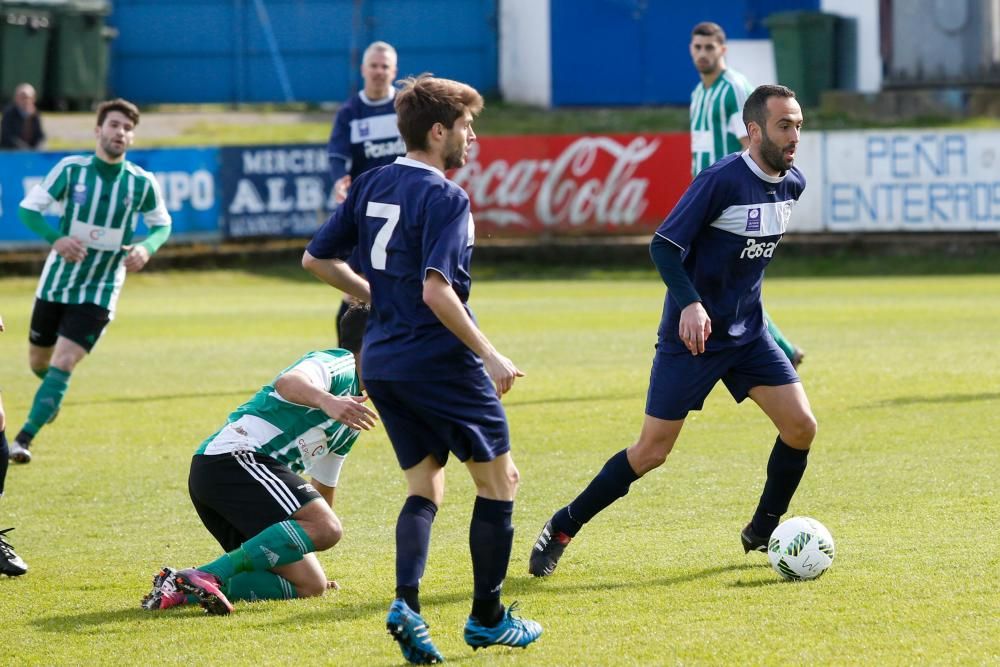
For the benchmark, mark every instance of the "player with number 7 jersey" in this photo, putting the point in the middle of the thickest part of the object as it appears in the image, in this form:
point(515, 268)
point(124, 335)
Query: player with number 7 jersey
point(410, 220)
point(434, 377)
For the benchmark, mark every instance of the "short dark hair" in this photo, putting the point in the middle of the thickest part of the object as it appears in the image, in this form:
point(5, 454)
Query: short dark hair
point(709, 29)
point(352, 328)
point(425, 100)
point(755, 108)
point(124, 107)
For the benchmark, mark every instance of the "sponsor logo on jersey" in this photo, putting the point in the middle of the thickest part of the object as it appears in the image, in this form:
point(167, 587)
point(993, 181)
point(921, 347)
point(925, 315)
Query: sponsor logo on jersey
point(80, 194)
point(363, 128)
point(376, 149)
point(753, 220)
point(755, 250)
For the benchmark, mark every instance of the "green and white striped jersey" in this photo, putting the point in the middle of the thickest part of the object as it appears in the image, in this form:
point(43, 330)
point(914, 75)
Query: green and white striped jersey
point(100, 204)
point(304, 439)
point(717, 119)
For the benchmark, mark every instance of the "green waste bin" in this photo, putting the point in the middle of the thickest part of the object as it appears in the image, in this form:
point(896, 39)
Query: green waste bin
point(805, 52)
point(24, 42)
point(78, 58)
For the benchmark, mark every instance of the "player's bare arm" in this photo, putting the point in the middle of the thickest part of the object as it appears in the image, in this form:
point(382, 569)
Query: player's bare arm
point(340, 188)
point(338, 274)
point(322, 489)
point(695, 327)
point(348, 410)
point(442, 300)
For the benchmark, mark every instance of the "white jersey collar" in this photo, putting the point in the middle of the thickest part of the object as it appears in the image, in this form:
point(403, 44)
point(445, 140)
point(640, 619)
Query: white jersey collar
point(372, 103)
point(758, 172)
point(410, 162)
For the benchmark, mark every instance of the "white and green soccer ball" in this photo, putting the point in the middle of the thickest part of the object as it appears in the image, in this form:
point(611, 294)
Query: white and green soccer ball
point(800, 548)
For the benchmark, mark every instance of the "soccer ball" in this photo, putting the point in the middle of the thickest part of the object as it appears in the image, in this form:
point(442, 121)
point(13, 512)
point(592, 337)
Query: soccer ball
point(800, 548)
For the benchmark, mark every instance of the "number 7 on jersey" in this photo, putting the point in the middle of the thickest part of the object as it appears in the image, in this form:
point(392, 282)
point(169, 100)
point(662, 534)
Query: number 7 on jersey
point(390, 213)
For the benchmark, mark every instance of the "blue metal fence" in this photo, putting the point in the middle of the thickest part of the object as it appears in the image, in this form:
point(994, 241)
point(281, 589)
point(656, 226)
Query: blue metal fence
point(235, 51)
point(627, 52)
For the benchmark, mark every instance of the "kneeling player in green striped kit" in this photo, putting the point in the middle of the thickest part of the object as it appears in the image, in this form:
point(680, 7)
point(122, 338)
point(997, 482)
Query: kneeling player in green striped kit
point(245, 484)
point(101, 196)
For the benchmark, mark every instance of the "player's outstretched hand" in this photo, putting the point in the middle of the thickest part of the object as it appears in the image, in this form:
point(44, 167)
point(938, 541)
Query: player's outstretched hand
point(350, 411)
point(502, 371)
point(340, 188)
point(71, 249)
point(136, 258)
point(695, 327)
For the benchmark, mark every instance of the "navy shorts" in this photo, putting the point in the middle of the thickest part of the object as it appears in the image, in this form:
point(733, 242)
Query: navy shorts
point(82, 323)
point(679, 381)
point(239, 494)
point(462, 416)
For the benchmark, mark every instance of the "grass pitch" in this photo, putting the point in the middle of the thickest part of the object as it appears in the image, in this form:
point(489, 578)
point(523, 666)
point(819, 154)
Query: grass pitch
point(902, 374)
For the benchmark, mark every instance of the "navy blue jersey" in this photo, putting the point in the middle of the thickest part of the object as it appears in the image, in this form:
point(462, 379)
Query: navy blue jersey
point(728, 224)
point(364, 136)
point(406, 219)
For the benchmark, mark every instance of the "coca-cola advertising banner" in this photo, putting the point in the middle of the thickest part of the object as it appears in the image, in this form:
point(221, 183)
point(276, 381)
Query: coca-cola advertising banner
point(566, 185)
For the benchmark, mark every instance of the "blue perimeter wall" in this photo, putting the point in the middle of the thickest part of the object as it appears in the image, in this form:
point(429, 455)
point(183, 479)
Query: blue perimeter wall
point(197, 51)
point(629, 52)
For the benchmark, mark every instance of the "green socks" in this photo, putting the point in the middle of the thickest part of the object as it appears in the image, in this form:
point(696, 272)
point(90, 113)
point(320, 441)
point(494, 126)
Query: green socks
point(779, 338)
point(47, 400)
point(280, 544)
point(251, 586)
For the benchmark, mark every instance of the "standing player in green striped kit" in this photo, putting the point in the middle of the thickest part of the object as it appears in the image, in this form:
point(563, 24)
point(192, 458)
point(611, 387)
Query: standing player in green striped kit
point(245, 484)
point(717, 127)
point(102, 196)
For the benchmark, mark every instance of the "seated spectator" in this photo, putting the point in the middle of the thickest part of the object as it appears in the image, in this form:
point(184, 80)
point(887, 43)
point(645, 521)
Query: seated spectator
point(21, 126)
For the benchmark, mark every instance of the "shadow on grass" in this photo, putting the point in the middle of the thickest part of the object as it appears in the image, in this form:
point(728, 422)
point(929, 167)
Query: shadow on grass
point(263, 614)
point(944, 398)
point(530, 584)
point(511, 403)
point(86, 623)
point(108, 400)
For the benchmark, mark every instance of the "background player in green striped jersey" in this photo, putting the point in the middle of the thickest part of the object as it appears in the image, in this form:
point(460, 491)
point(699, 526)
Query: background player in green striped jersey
point(245, 484)
point(101, 197)
point(717, 127)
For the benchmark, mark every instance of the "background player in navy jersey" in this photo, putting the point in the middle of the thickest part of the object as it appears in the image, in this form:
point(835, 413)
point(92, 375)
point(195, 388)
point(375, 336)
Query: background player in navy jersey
point(711, 252)
point(434, 377)
point(364, 134)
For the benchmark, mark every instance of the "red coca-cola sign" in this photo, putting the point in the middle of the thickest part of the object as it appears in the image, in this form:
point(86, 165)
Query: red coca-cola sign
point(563, 185)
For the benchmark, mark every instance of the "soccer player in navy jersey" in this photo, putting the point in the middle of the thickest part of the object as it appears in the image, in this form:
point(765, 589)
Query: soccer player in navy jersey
point(364, 135)
point(717, 127)
point(711, 252)
point(434, 377)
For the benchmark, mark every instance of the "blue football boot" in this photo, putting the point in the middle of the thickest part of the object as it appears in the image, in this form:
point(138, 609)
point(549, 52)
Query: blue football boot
point(511, 631)
point(409, 629)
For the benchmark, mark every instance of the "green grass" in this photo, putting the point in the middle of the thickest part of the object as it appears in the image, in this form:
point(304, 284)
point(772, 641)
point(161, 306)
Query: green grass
point(901, 372)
